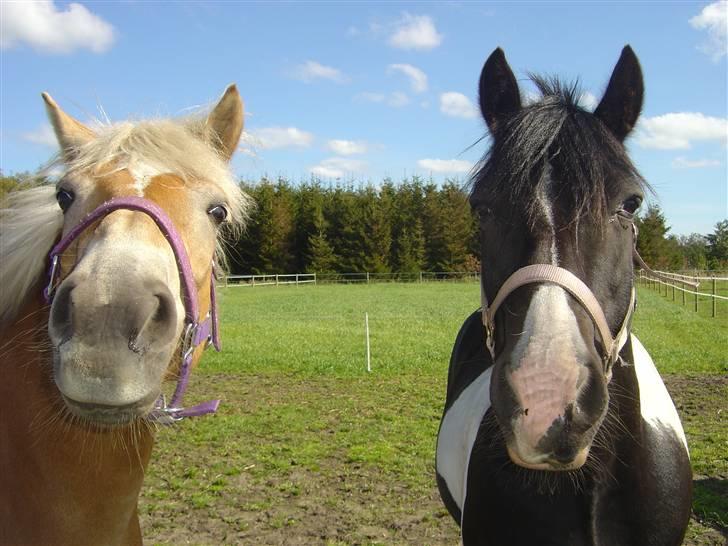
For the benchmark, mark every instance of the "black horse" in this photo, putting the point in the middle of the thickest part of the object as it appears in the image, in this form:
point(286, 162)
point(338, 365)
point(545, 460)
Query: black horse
point(557, 428)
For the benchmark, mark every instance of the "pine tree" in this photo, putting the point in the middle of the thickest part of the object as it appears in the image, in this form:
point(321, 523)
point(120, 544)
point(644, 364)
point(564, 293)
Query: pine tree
point(652, 242)
point(375, 231)
point(717, 248)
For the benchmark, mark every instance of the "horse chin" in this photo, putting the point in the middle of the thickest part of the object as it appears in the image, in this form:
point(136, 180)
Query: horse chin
point(104, 415)
point(545, 462)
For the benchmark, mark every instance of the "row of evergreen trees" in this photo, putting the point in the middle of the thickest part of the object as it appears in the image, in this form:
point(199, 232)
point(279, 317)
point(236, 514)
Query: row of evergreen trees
point(667, 252)
point(400, 228)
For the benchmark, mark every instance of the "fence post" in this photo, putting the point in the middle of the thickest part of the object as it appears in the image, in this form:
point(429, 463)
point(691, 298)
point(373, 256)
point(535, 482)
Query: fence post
point(696, 300)
point(276, 279)
point(314, 278)
point(367, 277)
point(715, 300)
point(673, 292)
point(683, 292)
point(420, 276)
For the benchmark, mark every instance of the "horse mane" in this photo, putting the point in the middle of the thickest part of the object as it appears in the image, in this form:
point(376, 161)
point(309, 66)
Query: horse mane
point(588, 162)
point(31, 220)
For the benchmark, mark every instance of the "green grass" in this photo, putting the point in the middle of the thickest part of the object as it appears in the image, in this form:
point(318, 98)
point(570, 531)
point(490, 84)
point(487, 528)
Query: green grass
point(308, 445)
point(313, 330)
point(680, 340)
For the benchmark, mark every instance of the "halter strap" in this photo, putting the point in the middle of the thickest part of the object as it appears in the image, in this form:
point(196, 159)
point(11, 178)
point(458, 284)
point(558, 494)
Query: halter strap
point(196, 331)
point(575, 286)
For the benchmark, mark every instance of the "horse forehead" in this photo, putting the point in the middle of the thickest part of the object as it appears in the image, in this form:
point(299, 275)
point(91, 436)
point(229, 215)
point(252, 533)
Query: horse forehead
point(165, 189)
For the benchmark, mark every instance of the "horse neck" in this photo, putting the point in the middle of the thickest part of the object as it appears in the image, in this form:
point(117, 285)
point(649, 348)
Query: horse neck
point(624, 392)
point(61, 481)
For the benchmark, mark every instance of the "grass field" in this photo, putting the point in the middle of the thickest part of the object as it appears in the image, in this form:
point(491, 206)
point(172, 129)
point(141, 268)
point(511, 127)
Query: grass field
point(308, 448)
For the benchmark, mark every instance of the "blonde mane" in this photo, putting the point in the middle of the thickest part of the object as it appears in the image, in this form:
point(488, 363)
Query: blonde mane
point(31, 220)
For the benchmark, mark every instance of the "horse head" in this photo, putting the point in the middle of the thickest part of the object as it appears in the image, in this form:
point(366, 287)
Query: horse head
point(556, 188)
point(118, 315)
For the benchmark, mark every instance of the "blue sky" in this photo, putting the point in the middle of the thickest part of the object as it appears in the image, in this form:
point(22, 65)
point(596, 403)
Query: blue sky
point(367, 90)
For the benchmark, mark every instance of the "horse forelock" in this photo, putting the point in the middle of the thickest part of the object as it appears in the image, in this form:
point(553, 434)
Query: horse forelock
point(557, 136)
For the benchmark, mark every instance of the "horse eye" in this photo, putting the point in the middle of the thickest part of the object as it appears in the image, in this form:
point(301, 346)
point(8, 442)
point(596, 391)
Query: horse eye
point(65, 199)
point(631, 205)
point(218, 213)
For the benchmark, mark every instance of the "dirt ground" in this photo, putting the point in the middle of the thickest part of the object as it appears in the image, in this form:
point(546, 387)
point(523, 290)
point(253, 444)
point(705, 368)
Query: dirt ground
point(345, 502)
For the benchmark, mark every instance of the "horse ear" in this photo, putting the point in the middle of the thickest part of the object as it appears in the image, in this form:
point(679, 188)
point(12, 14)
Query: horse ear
point(498, 90)
point(225, 122)
point(70, 133)
point(622, 101)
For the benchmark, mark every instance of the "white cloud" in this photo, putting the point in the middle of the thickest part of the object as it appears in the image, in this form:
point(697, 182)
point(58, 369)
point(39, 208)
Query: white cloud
point(677, 130)
point(714, 19)
point(415, 32)
point(347, 147)
point(418, 79)
point(44, 27)
point(338, 167)
point(395, 100)
point(445, 165)
point(457, 105)
point(588, 100)
point(311, 70)
point(280, 137)
point(43, 135)
point(684, 163)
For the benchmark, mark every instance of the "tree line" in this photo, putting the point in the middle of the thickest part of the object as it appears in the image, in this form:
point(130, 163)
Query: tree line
point(394, 228)
point(411, 226)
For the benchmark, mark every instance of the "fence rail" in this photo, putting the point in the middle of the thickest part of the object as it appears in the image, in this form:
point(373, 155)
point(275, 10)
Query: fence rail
point(348, 278)
point(687, 285)
point(268, 280)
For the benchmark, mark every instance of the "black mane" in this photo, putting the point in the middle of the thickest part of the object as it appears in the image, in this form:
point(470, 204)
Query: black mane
point(587, 162)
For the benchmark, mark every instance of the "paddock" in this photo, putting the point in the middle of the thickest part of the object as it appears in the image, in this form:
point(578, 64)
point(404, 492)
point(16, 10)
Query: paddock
point(310, 448)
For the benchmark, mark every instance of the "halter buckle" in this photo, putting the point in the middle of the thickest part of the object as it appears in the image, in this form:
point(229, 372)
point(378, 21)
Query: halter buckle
point(52, 278)
point(188, 345)
point(490, 338)
point(165, 415)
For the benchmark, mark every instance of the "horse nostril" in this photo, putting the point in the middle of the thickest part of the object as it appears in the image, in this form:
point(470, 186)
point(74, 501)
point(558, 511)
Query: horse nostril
point(160, 317)
point(165, 309)
point(60, 325)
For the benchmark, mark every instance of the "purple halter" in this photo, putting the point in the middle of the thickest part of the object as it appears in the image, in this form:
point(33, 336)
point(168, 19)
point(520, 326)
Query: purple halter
point(196, 332)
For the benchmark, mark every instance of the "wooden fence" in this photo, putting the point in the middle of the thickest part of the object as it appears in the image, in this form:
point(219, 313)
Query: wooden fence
point(689, 288)
point(348, 278)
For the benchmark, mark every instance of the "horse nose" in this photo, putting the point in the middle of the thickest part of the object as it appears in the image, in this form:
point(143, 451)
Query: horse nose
point(564, 439)
point(564, 453)
point(138, 314)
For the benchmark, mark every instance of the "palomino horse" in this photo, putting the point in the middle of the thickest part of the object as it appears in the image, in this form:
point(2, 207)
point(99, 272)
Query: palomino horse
point(138, 217)
point(557, 428)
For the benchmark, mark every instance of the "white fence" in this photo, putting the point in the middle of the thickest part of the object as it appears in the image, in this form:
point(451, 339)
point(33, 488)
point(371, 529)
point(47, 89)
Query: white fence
point(688, 286)
point(268, 280)
point(348, 278)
